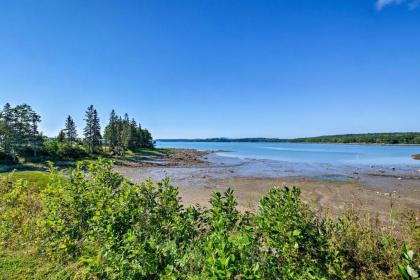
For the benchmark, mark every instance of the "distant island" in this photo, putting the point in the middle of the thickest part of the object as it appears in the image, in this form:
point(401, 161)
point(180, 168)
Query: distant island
point(402, 138)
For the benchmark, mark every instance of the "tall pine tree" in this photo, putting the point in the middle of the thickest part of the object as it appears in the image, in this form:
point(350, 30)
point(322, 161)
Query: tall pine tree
point(35, 137)
point(125, 132)
point(92, 130)
point(61, 137)
point(6, 132)
point(111, 134)
point(70, 131)
point(97, 137)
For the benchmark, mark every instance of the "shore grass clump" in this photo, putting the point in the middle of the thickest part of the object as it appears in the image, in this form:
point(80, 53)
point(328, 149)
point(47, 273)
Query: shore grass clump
point(92, 223)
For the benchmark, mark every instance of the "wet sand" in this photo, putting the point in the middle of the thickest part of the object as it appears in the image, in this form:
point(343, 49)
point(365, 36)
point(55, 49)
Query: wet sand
point(333, 197)
point(370, 189)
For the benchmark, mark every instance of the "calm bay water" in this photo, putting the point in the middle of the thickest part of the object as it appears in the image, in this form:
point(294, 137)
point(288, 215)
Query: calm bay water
point(346, 154)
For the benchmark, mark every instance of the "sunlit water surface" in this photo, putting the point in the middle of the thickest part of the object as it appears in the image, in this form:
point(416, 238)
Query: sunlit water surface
point(334, 154)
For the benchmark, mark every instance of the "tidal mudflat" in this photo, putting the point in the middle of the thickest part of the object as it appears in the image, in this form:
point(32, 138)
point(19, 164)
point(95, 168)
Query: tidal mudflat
point(374, 189)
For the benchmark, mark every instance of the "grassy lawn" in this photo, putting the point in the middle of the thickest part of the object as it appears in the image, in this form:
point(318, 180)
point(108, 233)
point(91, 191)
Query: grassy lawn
point(26, 264)
point(21, 265)
point(37, 179)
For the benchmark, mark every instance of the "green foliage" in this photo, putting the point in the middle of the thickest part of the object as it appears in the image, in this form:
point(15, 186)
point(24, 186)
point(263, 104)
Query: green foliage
point(91, 223)
point(410, 267)
point(70, 131)
point(19, 129)
point(7, 158)
point(19, 208)
point(295, 242)
point(92, 130)
point(369, 138)
point(37, 180)
point(122, 134)
point(364, 138)
point(63, 151)
point(371, 252)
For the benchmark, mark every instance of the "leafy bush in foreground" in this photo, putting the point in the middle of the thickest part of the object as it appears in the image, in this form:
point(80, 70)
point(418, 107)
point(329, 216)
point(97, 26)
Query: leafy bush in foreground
point(97, 224)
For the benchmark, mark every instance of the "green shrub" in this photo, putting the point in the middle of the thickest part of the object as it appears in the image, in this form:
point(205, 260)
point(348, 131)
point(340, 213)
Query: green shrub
point(19, 211)
point(72, 151)
point(117, 229)
point(50, 147)
point(294, 241)
point(90, 222)
point(55, 149)
point(7, 159)
point(410, 268)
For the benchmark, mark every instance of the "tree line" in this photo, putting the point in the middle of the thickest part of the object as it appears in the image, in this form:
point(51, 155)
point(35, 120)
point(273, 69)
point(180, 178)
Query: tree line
point(364, 138)
point(367, 138)
point(20, 136)
point(122, 134)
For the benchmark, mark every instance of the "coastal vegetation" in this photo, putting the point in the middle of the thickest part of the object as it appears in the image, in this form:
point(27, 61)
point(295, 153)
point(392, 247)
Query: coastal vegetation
point(368, 138)
point(92, 223)
point(406, 138)
point(123, 134)
point(22, 142)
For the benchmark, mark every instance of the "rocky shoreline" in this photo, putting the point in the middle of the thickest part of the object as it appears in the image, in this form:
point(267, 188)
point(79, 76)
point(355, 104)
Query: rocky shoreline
point(169, 158)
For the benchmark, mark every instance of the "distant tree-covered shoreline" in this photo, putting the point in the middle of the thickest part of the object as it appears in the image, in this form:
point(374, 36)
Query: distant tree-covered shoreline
point(393, 138)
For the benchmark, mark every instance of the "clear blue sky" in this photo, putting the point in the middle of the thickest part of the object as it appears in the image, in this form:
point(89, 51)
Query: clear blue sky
point(209, 68)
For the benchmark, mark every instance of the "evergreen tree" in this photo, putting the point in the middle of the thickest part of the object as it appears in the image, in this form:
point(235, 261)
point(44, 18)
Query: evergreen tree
point(111, 134)
point(125, 132)
point(134, 140)
point(35, 137)
point(122, 134)
point(6, 131)
point(61, 137)
point(140, 135)
point(2, 132)
point(97, 137)
point(88, 130)
point(92, 130)
point(70, 131)
point(147, 139)
point(19, 129)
